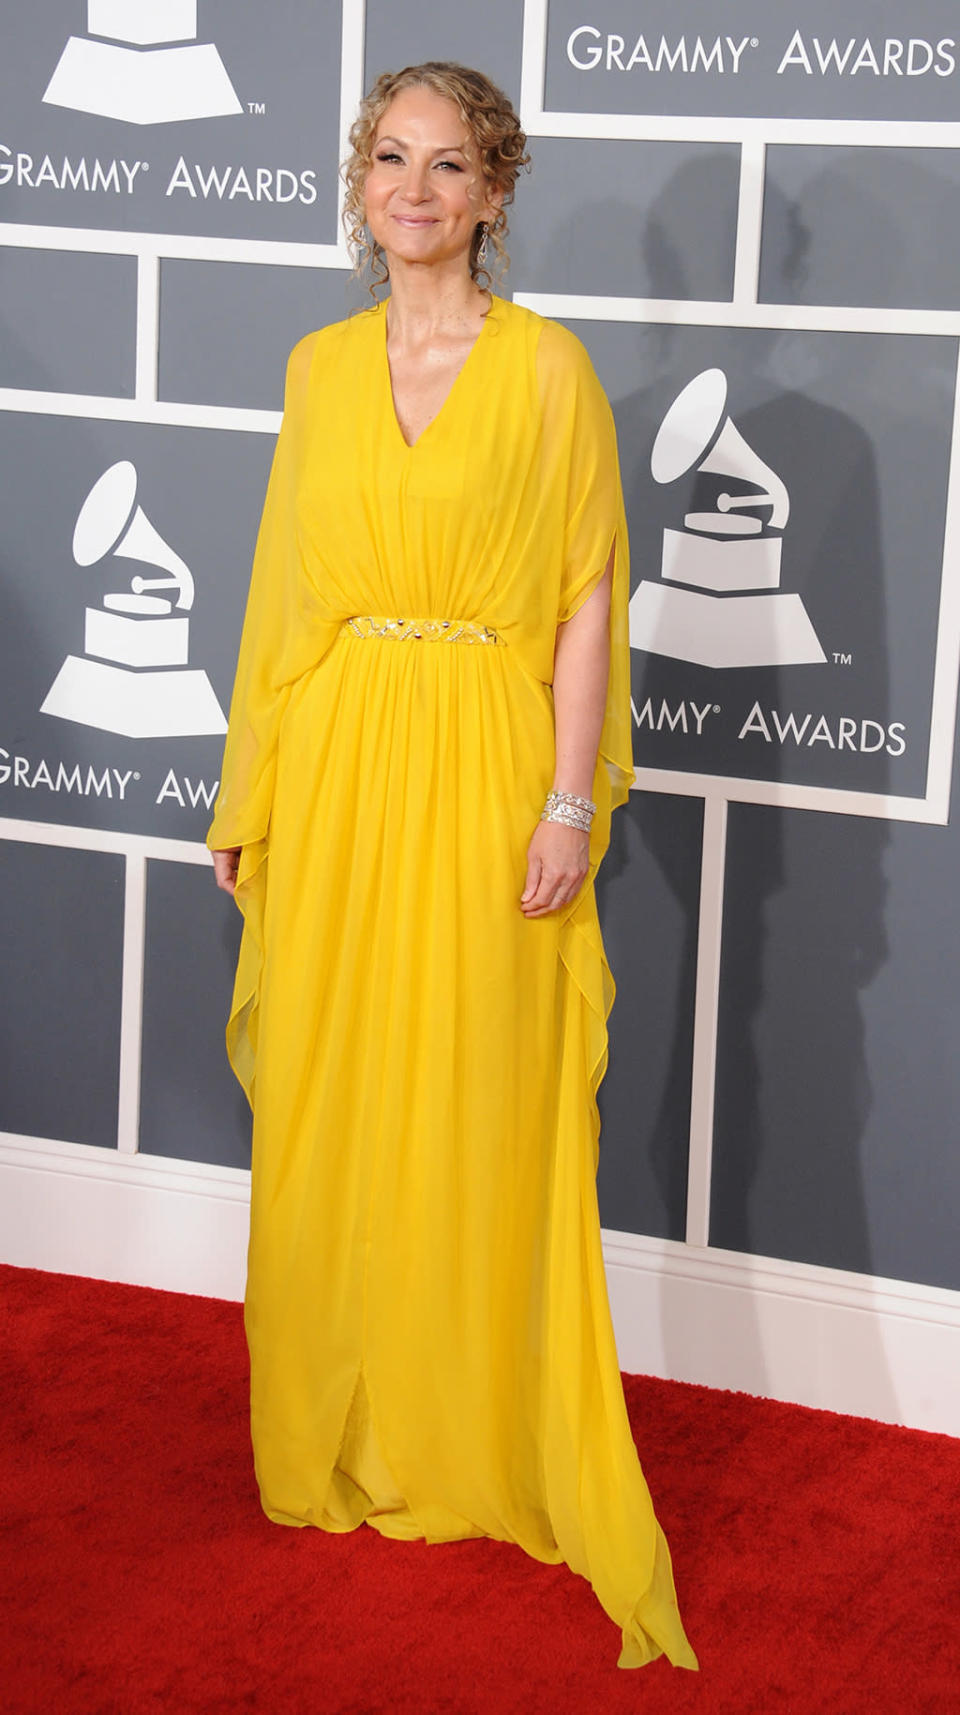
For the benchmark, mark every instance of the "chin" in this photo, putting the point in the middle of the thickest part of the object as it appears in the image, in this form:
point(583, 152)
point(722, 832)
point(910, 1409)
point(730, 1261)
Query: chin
point(420, 253)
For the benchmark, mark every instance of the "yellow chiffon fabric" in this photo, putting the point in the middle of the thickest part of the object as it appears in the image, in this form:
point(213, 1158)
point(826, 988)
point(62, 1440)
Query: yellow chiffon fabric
point(430, 1340)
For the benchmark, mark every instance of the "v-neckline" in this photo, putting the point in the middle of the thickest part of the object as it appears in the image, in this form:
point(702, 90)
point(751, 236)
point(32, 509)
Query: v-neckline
point(411, 446)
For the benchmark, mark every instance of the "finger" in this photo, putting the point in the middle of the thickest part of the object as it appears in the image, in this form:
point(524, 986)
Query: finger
point(541, 901)
point(550, 881)
point(534, 876)
point(564, 891)
point(541, 910)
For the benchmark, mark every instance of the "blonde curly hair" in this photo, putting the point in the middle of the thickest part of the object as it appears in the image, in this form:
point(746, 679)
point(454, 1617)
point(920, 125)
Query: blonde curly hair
point(495, 129)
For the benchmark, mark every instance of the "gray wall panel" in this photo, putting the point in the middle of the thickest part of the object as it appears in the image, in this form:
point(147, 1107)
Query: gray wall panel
point(67, 321)
point(746, 60)
point(858, 428)
point(62, 940)
point(260, 164)
point(648, 898)
point(226, 328)
point(862, 226)
point(803, 930)
point(839, 1081)
point(653, 220)
point(202, 492)
point(405, 32)
point(191, 1106)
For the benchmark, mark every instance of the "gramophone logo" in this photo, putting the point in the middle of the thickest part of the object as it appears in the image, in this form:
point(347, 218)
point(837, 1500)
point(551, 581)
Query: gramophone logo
point(719, 601)
point(145, 81)
point(133, 677)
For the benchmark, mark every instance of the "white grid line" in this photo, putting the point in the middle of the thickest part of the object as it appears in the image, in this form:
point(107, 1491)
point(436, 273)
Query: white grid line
point(784, 795)
point(671, 128)
point(947, 665)
point(131, 1003)
point(746, 274)
point(168, 248)
point(103, 840)
point(721, 312)
point(706, 1019)
point(148, 328)
point(159, 411)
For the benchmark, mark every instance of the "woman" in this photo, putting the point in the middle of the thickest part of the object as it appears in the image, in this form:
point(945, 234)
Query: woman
point(435, 637)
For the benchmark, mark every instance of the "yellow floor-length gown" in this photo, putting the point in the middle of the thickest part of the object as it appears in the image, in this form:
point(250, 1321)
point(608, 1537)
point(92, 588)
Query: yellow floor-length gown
point(430, 1339)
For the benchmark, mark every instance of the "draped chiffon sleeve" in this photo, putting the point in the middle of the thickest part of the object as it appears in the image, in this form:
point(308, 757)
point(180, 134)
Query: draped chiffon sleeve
point(281, 640)
point(580, 444)
point(580, 455)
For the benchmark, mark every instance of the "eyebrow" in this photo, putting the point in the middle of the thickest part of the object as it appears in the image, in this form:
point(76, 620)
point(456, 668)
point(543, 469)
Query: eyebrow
point(445, 149)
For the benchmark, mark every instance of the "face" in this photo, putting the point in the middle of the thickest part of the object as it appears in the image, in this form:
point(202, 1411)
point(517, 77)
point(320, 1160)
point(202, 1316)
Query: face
point(425, 192)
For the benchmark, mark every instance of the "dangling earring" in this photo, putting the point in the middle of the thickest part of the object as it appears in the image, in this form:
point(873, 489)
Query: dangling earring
point(482, 246)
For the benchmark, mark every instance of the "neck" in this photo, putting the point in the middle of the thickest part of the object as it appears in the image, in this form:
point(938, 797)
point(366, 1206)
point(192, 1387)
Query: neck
point(434, 299)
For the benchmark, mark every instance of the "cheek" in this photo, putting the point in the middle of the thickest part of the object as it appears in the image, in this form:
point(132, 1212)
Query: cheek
point(482, 197)
point(378, 183)
point(375, 198)
point(473, 198)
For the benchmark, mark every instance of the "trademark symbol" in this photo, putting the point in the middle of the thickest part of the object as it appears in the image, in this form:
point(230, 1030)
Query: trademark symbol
point(136, 774)
point(716, 708)
point(840, 659)
point(754, 41)
point(144, 166)
point(257, 107)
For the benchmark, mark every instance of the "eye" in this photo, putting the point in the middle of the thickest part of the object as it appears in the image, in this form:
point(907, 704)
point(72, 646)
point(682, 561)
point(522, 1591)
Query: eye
point(454, 166)
point(388, 156)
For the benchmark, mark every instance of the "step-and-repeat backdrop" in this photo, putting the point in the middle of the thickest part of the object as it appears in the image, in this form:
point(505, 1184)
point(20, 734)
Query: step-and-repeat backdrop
point(752, 220)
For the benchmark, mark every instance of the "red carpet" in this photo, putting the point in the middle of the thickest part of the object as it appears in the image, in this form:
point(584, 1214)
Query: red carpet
point(817, 1557)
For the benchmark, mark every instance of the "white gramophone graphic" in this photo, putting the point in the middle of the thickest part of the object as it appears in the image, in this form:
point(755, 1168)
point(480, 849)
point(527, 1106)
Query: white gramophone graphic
point(133, 677)
point(145, 81)
point(719, 601)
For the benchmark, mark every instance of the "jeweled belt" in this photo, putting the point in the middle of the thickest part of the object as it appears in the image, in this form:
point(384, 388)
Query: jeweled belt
point(428, 630)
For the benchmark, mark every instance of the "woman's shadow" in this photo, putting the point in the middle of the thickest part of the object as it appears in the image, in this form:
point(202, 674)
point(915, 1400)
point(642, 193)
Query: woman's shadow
point(804, 891)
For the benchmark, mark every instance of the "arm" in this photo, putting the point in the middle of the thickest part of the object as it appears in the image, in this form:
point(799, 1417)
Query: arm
point(558, 857)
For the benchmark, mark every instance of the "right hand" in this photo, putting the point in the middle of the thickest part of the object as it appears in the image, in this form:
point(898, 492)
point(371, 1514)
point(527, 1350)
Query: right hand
point(558, 860)
point(225, 864)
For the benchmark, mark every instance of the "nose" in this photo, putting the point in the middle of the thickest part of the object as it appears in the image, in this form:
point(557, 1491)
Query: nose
point(416, 186)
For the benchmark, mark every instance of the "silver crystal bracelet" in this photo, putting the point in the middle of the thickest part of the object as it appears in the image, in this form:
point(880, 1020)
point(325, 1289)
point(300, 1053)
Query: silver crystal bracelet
point(569, 810)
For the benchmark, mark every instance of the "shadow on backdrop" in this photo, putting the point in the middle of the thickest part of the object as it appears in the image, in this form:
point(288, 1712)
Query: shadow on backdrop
point(804, 900)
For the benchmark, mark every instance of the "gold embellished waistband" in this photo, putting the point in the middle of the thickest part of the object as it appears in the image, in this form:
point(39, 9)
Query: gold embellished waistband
point(428, 630)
